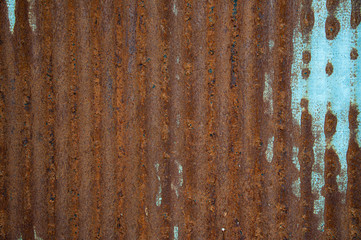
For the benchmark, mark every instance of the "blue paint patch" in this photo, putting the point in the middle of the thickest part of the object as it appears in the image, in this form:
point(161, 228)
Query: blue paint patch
point(317, 85)
point(269, 151)
point(325, 92)
point(11, 13)
point(175, 232)
point(340, 89)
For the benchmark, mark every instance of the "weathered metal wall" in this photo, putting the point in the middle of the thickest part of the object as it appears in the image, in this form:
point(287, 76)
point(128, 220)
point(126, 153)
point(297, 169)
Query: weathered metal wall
point(180, 119)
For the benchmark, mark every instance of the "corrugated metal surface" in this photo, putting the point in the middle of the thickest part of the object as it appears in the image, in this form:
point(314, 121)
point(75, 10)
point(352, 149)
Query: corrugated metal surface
point(180, 119)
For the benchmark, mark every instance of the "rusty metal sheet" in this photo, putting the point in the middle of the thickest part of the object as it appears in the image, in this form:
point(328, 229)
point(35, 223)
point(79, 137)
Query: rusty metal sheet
point(180, 119)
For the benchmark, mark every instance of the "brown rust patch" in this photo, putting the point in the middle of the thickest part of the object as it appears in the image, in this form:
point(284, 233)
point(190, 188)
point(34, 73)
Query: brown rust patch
point(307, 19)
point(329, 69)
point(354, 178)
point(306, 159)
point(355, 13)
point(330, 124)
point(332, 5)
point(332, 27)
point(354, 54)
point(330, 191)
point(306, 57)
point(305, 73)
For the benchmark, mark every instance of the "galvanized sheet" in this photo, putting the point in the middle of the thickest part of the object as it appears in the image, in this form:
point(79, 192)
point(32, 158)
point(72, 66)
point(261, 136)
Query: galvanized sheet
point(180, 119)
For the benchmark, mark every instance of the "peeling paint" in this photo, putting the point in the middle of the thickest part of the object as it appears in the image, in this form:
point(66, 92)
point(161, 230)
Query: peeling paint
point(36, 237)
point(295, 158)
point(267, 92)
point(158, 201)
point(175, 10)
point(11, 13)
point(355, 74)
point(339, 89)
point(32, 18)
point(317, 84)
point(322, 89)
point(175, 232)
point(296, 188)
point(269, 151)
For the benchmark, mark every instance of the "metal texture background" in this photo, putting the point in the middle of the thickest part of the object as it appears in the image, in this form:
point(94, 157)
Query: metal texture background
point(180, 119)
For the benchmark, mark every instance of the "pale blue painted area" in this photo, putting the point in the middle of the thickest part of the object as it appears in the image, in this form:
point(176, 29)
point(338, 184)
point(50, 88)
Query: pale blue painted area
point(267, 91)
point(296, 187)
point(355, 79)
point(357, 85)
point(317, 95)
point(295, 158)
point(340, 89)
point(36, 237)
point(269, 151)
point(175, 232)
point(320, 89)
point(32, 18)
point(11, 13)
point(179, 183)
point(299, 91)
point(159, 198)
point(298, 83)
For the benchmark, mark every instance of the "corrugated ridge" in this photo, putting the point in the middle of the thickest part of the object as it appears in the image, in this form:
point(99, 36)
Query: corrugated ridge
point(148, 120)
point(4, 228)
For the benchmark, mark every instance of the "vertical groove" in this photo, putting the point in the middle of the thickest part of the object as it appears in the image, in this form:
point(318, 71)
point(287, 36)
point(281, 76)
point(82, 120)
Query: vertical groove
point(120, 117)
point(23, 55)
point(199, 99)
point(332, 168)
point(73, 176)
point(234, 224)
point(153, 127)
point(354, 179)
point(142, 61)
point(222, 84)
point(282, 115)
point(13, 138)
point(254, 83)
point(62, 117)
point(306, 142)
point(132, 121)
point(306, 159)
point(97, 119)
point(188, 168)
point(84, 120)
point(176, 118)
point(38, 132)
point(107, 89)
point(49, 143)
point(211, 121)
point(4, 91)
point(164, 167)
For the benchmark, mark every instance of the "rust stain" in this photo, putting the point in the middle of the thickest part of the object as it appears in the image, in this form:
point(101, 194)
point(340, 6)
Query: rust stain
point(175, 120)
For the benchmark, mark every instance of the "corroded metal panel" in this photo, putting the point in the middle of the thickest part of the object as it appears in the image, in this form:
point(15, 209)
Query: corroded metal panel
point(180, 119)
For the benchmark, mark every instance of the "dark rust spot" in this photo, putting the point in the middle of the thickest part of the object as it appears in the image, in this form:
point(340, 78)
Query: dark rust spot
point(354, 180)
point(332, 5)
point(304, 103)
point(306, 73)
point(354, 54)
point(329, 69)
point(330, 124)
point(306, 57)
point(332, 197)
point(355, 13)
point(332, 27)
point(307, 20)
